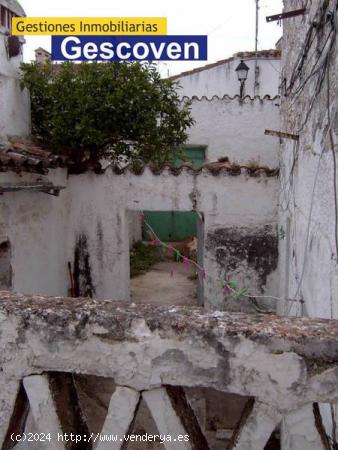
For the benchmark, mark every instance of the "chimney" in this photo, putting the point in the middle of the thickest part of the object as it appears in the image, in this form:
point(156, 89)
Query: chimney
point(42, 56)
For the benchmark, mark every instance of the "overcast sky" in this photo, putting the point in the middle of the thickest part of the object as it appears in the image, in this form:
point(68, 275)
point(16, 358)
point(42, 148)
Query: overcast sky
point(230, 24)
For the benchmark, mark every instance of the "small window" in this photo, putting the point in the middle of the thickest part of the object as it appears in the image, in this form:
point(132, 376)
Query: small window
point(6, 16)
point(3, 11)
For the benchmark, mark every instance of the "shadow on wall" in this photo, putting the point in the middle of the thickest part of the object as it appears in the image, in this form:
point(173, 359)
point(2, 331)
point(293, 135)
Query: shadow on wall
point(83, 283)
point(5, 265)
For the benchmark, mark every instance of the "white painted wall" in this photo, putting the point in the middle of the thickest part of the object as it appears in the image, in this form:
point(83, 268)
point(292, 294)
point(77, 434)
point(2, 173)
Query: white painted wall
point(14, 102)
point(229, 127)
point(309, 269)
point(222, 79)
point(43, 229)
point(307, 213)
point(35, 224)
point(134, 227)
point(224, 200)
point(225, 124)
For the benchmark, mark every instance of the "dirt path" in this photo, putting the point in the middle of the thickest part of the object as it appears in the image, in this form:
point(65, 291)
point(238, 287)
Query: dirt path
point(167, 283)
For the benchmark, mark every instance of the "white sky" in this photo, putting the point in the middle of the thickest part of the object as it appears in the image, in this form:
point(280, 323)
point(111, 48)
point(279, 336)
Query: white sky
point(230, 24)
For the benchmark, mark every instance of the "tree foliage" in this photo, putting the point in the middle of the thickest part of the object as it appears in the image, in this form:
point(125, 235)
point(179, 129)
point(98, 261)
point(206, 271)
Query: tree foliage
point(109, 110)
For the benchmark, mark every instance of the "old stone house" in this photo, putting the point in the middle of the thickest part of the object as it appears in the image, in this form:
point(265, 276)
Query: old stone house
point(274, 379)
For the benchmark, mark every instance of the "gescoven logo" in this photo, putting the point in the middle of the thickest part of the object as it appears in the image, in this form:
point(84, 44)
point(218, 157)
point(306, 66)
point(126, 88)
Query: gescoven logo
point(129, 48)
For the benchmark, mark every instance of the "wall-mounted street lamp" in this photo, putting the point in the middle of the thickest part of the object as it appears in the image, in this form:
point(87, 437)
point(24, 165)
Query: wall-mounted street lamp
point(242, 73)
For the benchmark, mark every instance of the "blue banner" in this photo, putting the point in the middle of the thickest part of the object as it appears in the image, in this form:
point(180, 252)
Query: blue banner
point(129, 48)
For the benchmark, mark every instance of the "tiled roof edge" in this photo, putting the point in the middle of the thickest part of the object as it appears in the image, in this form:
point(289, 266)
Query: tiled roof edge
point(228, 97)
point(262, 54)
point(211, 168)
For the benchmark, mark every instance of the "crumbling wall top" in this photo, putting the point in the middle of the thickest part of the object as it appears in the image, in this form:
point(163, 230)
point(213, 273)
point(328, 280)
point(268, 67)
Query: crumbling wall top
point(311, 338)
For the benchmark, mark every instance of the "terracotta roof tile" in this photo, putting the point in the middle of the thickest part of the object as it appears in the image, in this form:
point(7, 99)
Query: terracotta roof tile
point(21, 155)
point(214, 168)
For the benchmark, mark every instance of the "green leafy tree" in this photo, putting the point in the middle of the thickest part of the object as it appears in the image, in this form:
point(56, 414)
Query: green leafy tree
point(111, 110)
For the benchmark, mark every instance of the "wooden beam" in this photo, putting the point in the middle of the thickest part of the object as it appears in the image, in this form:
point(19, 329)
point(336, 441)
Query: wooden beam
point(286, 15)
point(46, 187)
point(68, 410)
point(174, 416)
point(282, 134)
point(187, 416)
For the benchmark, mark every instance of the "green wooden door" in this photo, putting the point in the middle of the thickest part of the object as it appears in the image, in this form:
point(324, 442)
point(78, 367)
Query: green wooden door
point(193, 154)
point(177, 225)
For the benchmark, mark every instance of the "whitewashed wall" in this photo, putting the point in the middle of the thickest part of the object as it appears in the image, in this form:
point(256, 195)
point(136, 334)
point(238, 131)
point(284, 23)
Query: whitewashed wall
point(229, 127)
point(135, 228)
point(44, 230)
point(222, 79)
point(309, 269)
point(14, 102)
point(35, 225)
point(100, 213)
point(308, 209)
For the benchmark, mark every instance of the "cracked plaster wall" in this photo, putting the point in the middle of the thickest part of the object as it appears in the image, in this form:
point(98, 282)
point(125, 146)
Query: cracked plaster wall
point(109, 198)
point(43, 230)
point(307, 213)
point(308, 253)
point(139, 347)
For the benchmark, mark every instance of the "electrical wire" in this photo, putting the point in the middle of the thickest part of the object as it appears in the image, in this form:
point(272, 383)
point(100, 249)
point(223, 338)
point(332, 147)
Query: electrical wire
point(328, 98)
point(289, 182)
point(313, 72)
point(308, 229)
point(325, 66)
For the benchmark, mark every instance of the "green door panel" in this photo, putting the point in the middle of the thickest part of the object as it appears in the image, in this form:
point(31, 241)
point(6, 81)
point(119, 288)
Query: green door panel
point(193, 154)
point(177, 225)
point(172, 225)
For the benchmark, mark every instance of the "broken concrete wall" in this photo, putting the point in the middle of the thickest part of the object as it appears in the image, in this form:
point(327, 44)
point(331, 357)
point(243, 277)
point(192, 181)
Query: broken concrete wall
point(234, 128)
point(245, 204)
point(88, 225)
point(284, 364)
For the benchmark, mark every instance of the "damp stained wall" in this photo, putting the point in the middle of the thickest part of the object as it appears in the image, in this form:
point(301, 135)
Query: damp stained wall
point(242, 204)
point(88, 225)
